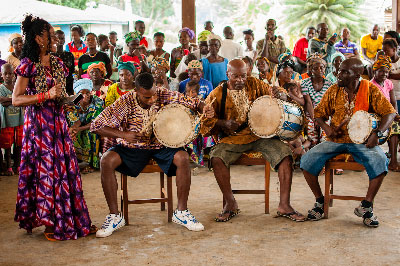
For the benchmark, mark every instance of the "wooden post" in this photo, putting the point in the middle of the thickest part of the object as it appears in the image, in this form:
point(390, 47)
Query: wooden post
point(396, 15)
point(189, 15)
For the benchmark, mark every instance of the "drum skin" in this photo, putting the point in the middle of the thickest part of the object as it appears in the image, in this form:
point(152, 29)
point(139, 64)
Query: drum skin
point(173, 126)
point(270, 117)
point(362, 124)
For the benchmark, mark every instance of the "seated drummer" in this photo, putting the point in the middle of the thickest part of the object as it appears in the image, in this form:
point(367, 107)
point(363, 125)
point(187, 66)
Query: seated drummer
point(236, 138)
point(127, 119)
point(339, 102)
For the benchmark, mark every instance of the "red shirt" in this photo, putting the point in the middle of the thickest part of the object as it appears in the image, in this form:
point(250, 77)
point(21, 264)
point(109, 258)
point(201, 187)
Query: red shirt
point(134, 59)
point(300, 49)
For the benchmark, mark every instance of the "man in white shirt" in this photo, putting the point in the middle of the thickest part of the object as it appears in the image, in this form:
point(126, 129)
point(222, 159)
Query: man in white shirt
point(230, 49)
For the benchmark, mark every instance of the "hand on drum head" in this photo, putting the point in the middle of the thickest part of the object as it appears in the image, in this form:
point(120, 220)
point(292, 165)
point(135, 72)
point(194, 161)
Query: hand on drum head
point(278, 93)
point(132, 136)
point(230, 126)
point(372, 141)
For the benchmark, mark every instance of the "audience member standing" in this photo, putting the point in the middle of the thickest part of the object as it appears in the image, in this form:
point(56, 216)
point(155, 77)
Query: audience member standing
point(214, 66)
point(300, 50)
point(371, 44)
point(248, 36)
point(77, 47)
point(271, 46)
point(15, 49)
point(230, 49)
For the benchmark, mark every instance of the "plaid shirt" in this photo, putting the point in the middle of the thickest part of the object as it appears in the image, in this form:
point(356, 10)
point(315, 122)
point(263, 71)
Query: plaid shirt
point(127, 115)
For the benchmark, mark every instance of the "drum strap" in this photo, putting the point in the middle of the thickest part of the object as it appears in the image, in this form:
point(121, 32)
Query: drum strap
point(223, 100)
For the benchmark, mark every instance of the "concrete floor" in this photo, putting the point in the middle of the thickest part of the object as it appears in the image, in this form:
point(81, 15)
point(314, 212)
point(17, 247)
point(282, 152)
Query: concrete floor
point(252, 238)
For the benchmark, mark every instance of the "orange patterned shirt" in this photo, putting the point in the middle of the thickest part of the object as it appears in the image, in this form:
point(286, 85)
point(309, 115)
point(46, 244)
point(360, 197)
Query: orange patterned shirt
point(335, 104)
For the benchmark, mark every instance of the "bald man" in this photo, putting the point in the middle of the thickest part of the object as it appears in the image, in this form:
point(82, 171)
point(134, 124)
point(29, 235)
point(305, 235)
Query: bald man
point(229, 127)
point(229, 48)
point(339, 103)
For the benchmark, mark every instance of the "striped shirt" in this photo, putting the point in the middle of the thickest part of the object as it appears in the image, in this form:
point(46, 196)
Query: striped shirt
point(126, 114)
point(308, 89)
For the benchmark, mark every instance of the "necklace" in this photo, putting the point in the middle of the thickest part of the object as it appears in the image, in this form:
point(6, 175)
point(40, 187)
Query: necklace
point(91, 56)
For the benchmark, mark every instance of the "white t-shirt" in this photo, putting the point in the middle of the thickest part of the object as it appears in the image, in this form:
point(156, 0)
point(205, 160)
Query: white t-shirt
point(230, 49)
point(396, 83)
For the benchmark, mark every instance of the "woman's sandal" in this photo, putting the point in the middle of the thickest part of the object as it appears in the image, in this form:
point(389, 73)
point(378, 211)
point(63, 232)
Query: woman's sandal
point(230, 216)
point(93, 229)
point(394, 169)
point(85, 170)
point(291, 216)
point(50, 237)
point(9, 172)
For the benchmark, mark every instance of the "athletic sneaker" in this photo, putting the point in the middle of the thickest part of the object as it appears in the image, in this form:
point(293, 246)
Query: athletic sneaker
point(186, 219)
point(367, 214)
point(112, 223)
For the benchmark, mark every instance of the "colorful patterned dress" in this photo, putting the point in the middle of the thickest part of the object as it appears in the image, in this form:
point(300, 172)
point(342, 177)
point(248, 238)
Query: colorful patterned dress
point(87, 144)
point(50, 187)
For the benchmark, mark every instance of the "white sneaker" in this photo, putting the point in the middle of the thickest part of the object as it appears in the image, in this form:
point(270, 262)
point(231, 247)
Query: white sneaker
point(112, 223)
point(186, 219)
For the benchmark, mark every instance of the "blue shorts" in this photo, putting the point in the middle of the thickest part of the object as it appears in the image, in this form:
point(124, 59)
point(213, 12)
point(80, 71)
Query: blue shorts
point(135, 160)
point(374, 160)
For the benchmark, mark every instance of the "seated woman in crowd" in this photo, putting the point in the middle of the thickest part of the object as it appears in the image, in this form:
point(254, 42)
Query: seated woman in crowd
point(86, 143)
point(265, 72)
point(185, 35)
point(288, 56)
point(336, 59)
point(159, 39)
point(93, 56)
point(381, 69)
point(16, 43)
point(97, 73)
point(159, 72)
point(214, 66)
point(134, 55)
point(284, 72)
point(127, 74)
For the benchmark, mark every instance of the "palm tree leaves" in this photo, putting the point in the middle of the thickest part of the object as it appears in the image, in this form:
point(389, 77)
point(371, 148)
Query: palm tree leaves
point(300, 14)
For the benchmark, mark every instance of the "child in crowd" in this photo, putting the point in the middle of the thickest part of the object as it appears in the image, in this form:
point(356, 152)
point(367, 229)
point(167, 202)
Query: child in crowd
point(12, 121)
point(159, 39)
point(381, 69)
point(197, 148)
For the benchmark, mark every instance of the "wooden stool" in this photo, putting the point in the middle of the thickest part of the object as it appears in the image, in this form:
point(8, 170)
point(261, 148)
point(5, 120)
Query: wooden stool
point(255, 158)
point(345, 162)
point(150, 168)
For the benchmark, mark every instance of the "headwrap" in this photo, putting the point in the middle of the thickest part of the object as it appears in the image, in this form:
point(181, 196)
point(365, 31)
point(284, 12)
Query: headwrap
point(126, 65)
point(188, 31)
point(130, 36)
point(11, 38)
point(315, 58)
point(160, 62)
point(283, 65)
point(83, 84)
point(203, 36)
point(265, 59)
point(195, 64)
point(99, 66)
point(337, 54)
point(213, 36)
point(382, 61)
point(284, 56)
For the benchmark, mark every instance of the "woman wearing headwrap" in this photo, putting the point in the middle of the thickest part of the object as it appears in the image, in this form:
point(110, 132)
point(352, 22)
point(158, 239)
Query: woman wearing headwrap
point(284, 72)
point(79, 116)
point(381, 69)
point(159, 39)
point(159, 72)
point(337, 58)
point(97, 73)
point(264, 69)
point(313, 89)
point(132, 40)
point(214, 66)
point(126, 84)
point(185, 36)
point(202, 52)
point(16, 43)
point(288, 56)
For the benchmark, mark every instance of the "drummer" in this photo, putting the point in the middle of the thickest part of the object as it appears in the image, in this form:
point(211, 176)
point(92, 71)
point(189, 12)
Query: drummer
point(235, 138)
point(128, 119)
point(339, 102)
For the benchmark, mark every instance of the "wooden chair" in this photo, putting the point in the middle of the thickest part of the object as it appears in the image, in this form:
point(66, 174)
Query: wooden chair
point(152, 167)
point(345, 162)
point(255, 158)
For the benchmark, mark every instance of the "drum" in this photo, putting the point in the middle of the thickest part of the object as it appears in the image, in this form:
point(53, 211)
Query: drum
point(269, 117)
point(175, 126)
point(362, 124)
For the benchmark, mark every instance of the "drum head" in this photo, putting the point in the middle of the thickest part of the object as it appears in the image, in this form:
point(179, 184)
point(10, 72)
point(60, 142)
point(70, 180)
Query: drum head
point(359, 127)
point(265, 117)
point(173, 126)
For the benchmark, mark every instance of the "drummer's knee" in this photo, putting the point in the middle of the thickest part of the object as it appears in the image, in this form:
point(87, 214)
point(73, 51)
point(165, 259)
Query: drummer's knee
point(181, 159)
point(110, 161)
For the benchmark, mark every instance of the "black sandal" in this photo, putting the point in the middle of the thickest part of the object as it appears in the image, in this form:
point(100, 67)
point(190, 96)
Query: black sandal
point(316, 213)
point(230, 216)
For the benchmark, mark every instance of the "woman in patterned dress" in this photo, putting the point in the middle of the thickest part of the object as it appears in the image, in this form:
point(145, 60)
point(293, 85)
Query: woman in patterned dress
point(50, 187)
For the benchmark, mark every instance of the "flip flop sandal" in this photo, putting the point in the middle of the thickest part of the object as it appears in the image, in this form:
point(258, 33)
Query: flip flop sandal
point(290, 216)
point(230, 216)
point(50, 237)
point(9, 172)
point(394, 169)
point(85, 170)
point(93, 230)
point(338, 171)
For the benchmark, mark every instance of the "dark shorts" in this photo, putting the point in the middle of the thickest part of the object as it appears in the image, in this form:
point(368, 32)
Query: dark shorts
point(134, 160)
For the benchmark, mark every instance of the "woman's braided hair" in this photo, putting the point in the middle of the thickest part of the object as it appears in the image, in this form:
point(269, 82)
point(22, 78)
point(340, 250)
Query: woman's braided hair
point(31, 27)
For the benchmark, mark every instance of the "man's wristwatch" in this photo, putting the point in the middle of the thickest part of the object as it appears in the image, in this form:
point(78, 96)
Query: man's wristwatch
point(379, 133)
